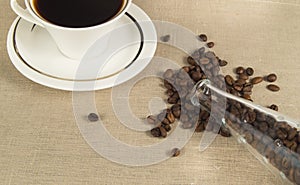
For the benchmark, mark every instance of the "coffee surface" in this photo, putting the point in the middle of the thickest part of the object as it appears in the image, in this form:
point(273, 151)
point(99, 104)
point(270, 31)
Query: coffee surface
point(78, 13)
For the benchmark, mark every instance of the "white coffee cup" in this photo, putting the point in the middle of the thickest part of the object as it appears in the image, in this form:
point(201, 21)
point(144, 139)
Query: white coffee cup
point(72, 42)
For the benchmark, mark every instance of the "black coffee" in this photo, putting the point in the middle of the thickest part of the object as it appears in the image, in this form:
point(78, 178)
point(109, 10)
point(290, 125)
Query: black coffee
point(78, 13)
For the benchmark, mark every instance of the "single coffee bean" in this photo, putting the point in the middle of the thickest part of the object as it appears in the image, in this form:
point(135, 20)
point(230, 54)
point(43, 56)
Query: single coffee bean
point(240, 81)
point(243, 76)
point(186, 69)
point(175, 152)
point(165, 38)
point(222, 63)
point(203, 37)
point(292, 133)
point(163, 132)
point(155, 132)
point(229, 80)
point(165, 121)
point(196, 76)
point(210, 55)
point(281, 134)
point(248, 87)
point(250, 71)
point(239, 70)
point(171, 117)
point(92, 117)
point(210, 44)
point(246, 96)
point(273, 87)
point(201, 51)
point(200, 127)
point(271, 77)
point(152, 119)
point(191, 61)
point(274, 107)
point(238, 87)
point(257, 80)
point(168, 128)
point(167, 85)
point(225, 132)
point(204, 61)
point(168, 74)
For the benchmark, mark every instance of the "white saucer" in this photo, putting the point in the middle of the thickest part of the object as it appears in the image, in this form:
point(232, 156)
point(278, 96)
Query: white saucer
point(35, 55)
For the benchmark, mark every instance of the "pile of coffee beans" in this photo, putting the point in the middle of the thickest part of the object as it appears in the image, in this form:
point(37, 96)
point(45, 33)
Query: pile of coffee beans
point(276, 140)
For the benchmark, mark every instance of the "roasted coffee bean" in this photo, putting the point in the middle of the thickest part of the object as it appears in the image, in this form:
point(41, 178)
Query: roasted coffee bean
point(191, 61)
point(168, 128)
point(152, 119)
point(167, 85)
point(239, 70)
point(292, 133)
point(201, 51)
point(204, 61)
point(257, 80)
point(165, 38)
point(281, 134)
point(170, 92)
point(248, 87)
point(172, 100)
point(271, 77)
point(243, 76)
point(222, 63)
point(250, 71)
point(163, 132)
point(175, 152)
point(274, 107)
point(210, 55)
point(168, 74)
point(248, 137)
point(273, 87)
point(240, 81)
point(171, 117)
point(263, 127)
point(200, 127)
point(238, 87)
point(186, 69)
point(92, 117)
point(203, 37)
point(210, 44)
point(196, 76)
point(225, 132)
point(165, 121)
point(246, 96)
point(155, 132)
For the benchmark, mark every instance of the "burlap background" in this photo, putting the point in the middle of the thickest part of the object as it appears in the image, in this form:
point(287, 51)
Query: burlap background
point(41, 144)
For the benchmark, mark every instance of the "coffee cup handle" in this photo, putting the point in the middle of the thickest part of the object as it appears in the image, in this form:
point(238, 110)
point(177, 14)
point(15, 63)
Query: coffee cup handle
point(23, 13)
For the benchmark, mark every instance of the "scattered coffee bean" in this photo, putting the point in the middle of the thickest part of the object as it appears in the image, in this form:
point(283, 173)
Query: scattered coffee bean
point(273, 87)
point(204, 61)
point(203, 37)
point(243, 76)
point(93, 117)
point(165, 38)
point(163, 132)
point(250, 71)
point(271, 77)
point(210, 44)
point(222, 63)
point(152, 119)
point(257, 80)
point(156, 132)
point(229, 80)
point(191, 61)
point(175, 152)
point(274, 107)
point(239, 70)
